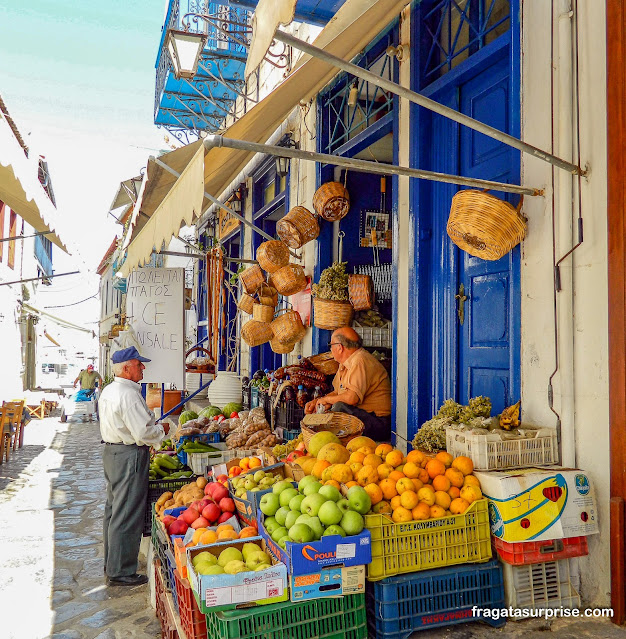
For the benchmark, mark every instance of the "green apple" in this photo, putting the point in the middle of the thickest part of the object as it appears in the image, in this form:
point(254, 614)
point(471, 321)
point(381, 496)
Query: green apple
point(343, 505)
point(204, 568)
point(270, 524)
point(292, 516)
point(334, 530)
point(249, 484)
point(330, 492)
point(269, 504)
point(307, 479)
point(280, 486)
point(282, 542)
point(311, 488)
point(311, 504)
point(281, 514)
point(329, 513)
point(287, 495)
point(262, 567)
point(229, 554)
point(352, 522)
point(234, 567)
point(279, 532)
point(295, 502)
point(256, 558)
point(258, 476)
point(316, 526)
point(248, 549)
point(204, 556)
point(359, 500)
point(300, 533)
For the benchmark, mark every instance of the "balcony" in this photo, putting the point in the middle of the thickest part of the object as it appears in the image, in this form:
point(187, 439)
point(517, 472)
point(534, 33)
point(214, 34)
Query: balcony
point(43, 254)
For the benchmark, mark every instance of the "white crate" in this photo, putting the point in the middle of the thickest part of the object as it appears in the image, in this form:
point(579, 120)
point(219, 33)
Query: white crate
point(375, 337)
point(198, 462)
point(548, 585)
point(489, 452)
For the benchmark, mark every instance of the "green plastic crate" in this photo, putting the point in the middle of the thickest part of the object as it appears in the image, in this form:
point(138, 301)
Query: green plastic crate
point(327, 618)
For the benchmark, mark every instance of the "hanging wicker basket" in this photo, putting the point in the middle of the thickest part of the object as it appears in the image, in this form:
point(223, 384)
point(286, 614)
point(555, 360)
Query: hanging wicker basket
point(483, 225)
point(344, 426)
point(281, 349)
point(263, 313)
point(324, 363)
point(298, 227)
point(289, 279)
point(272, 255)
point(361, 292)
point(251, 279)
point(267, 295)
point(332, 201)
point(288, 327)
point(255, 333)
point(330, 314)
point(246, 303)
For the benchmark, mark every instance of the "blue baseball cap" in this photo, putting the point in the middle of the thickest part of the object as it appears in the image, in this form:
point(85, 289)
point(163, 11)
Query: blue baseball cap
point(126, 354)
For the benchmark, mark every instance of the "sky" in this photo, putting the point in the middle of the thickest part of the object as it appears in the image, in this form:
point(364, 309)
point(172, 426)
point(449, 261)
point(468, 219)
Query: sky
point(78, 78)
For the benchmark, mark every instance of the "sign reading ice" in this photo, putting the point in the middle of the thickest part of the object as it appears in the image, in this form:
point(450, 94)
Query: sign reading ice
point(154, 308)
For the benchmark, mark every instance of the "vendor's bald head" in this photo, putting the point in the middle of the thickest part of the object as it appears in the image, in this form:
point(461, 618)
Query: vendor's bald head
point(344, 342)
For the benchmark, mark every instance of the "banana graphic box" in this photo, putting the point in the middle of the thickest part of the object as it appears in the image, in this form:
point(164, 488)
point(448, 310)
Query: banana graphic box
point(536, 504)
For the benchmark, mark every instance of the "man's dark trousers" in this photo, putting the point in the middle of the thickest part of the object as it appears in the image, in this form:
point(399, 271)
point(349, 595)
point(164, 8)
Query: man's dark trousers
point(126, 472)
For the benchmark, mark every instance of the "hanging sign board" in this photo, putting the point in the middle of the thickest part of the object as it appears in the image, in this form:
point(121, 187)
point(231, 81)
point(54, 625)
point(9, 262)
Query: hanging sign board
point(155, 310)
point(226, 223)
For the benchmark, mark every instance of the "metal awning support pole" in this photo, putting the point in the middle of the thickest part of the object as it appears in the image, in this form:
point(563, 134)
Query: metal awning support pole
point(427, 103)
point(43, 277)
point(25, 237)
point(365, 165)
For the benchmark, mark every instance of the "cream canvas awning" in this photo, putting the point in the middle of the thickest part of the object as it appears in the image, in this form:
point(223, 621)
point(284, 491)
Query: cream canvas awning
point(352, 28)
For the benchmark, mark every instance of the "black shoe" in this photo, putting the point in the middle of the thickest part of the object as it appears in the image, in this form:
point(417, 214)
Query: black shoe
point(129, 580)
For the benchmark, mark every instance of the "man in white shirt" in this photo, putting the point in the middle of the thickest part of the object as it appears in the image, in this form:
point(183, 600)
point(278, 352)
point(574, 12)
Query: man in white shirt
point(128, 430)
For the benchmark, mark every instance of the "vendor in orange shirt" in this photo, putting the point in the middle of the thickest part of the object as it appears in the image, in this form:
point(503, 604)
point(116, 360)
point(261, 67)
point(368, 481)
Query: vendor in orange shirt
point(361, 386)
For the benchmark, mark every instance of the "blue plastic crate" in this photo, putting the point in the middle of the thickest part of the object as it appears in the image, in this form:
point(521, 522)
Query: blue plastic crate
point(399, 606)
point(206, 438)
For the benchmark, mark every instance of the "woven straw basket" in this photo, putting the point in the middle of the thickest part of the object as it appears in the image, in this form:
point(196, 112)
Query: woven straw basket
point(251, 279)
point(330, 314)
point(245, 303)
point(332, 201)
point(262, 313)
point(324, 363)
point(272, 255)
point(281, 349)
point(298, 227)
point(256, 333)
point(289, 279)
point(483, 225)
point(345, 426)
point(267, 295)
point(288, 328)
point(361, 292)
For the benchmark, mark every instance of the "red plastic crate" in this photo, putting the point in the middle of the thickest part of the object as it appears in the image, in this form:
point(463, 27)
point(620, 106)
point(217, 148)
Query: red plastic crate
point(538, 552)
point(192, 620)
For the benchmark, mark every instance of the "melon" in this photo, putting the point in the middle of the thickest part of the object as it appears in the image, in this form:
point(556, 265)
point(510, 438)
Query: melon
point(321, 439)
point(333, 453)
point(359, 442)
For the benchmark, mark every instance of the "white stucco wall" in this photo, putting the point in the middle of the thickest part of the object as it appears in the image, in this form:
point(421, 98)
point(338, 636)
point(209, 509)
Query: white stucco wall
point(581, 383)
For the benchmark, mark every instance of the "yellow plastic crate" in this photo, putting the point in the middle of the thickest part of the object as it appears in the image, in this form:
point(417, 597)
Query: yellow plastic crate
point(432, 543)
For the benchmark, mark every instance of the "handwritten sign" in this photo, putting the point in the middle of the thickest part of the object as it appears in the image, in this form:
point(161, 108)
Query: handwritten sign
point(155, 310)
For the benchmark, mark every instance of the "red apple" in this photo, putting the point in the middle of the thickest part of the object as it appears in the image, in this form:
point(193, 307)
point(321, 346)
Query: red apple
point(202, 504)
point(167, 520)
point(222, 478)
point(227, 505)
point(219, 492)
point(211, 512)
point(201, 522)
point(190, 515)
point(178, 527)
point(224, 517)
point(207, 488)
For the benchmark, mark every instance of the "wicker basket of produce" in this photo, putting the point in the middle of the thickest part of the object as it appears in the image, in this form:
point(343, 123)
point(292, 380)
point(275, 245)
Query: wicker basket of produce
point(207, 365)
point(344, 426)
point(324, 363)
point(289, 279)
point(256, 333)
point(245, 303)
point(483, 225)
point(361, 292)
point(281, 349)
point(330, 314)
point(263, 313)
point(272, 255)
point(332, 201)
point(288, 327)
point(298, 227)
point(267, 295)
point(251, 279)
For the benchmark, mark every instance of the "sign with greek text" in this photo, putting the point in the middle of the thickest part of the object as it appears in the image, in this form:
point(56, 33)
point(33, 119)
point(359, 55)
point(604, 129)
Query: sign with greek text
point(155, 310)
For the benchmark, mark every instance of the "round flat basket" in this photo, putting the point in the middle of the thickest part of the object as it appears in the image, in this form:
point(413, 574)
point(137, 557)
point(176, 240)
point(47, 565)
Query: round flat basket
point(256, 333)
point(298, 227)
point(262, 313)
point(288, 328)
point(281, 349)
point(251, 279)
point(330, 314)
point(272, 255)
point(289, 279)
point(246, 303)
point(483, 225)
point(344, 426)
point(324, 363)
point(361, 292)
point(332, 201)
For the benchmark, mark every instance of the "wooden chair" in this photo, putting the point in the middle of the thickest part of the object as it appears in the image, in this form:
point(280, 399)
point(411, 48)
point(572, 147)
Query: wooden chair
point(13, 412)
point(38, 410)
point(6, 432)
point(21, 419)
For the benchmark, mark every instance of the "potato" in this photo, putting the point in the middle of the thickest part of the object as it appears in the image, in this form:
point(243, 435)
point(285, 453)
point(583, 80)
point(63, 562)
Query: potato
point(201, 482)
point(163, 498)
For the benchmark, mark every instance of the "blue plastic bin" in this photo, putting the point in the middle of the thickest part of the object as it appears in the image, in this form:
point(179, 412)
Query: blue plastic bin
point(398, 606)
point(207, 438)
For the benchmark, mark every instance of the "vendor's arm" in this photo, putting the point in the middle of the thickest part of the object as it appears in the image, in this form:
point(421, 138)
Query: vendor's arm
point(140, 421)
point(76, 380)
point(310, 407)
point(347, 397)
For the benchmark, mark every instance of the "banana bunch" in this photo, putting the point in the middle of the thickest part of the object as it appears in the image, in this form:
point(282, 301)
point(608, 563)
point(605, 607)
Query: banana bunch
point(282, 450)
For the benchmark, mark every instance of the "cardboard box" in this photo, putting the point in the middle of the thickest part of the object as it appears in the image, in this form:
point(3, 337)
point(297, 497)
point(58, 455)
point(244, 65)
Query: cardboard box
point(333, 581)
point(537, 504)
point(245, 589)
point(306, 559)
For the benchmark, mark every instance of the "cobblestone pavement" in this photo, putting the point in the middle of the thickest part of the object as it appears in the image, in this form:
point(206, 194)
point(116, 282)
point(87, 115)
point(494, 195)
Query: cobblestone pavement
point(51, 556)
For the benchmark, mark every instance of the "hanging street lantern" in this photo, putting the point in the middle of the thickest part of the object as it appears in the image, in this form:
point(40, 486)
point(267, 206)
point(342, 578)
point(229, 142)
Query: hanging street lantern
point(185, 49)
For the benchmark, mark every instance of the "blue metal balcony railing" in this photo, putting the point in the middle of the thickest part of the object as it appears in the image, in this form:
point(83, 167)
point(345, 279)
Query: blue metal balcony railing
point(43, 253)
